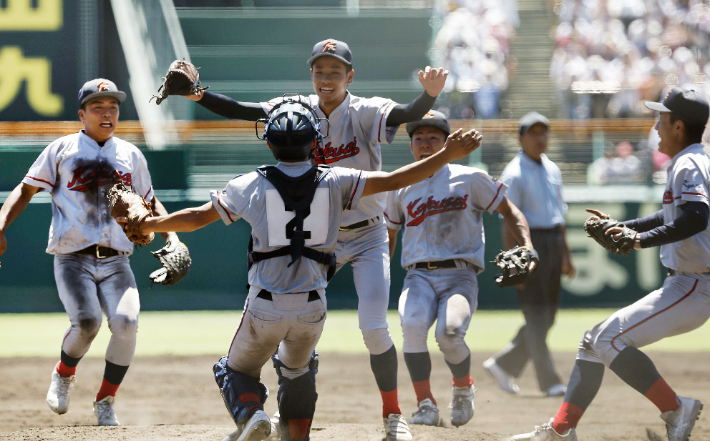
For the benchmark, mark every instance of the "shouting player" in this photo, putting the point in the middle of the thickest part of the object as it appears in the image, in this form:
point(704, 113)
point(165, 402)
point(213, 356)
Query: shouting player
point(295, 210)
point(355, 129)
point(442, 249)
point(679, 306)
point(90, 249)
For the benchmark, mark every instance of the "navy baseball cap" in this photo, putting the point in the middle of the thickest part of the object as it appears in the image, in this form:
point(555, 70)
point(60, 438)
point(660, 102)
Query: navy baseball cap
point(332, 48)
point(100, 87)
point(689, 105)
point(431, 119)
point(530, 119)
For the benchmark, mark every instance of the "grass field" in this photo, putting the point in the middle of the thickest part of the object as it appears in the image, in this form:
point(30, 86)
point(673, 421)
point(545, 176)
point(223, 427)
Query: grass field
point(210, 332)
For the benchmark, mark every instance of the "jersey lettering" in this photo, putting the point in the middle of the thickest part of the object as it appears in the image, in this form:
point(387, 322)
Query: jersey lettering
point(281, 221)
point(89, 177)
point(431, 207)
point(328, 154)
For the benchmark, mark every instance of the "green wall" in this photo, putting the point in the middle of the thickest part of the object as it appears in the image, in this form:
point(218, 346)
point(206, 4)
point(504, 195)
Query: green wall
point(218, 276)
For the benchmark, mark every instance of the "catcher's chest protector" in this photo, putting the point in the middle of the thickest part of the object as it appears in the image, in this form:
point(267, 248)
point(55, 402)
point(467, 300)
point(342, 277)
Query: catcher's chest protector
point(297, 194)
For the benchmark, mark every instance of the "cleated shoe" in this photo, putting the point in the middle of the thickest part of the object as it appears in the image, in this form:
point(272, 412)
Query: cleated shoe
point(58, 394)
point(258, 428)
point(546, 433)
point(505, 381)
point(557, 390)
point(104, 412)
point(680, 422)
point(427, 414)
point(462, 405)
point(275, 427)
point(396, 428)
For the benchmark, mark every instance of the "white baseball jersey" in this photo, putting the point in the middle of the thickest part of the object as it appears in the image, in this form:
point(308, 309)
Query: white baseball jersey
point(254, 198)
point(354, 132)
point(78, 173)
point(443, 215)
point(688, 178)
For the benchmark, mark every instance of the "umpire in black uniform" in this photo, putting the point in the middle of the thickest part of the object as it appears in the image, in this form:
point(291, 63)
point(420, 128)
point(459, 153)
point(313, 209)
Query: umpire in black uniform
point(535, 185)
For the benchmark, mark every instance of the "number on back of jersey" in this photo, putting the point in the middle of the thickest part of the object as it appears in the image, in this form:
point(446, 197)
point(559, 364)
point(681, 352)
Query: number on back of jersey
point(282, 221)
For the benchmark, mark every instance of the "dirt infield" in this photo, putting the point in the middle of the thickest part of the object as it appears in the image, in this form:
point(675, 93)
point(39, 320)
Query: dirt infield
point(176, 398)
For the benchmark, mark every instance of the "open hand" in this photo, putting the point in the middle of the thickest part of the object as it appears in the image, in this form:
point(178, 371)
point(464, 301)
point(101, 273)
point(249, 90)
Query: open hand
point(433, 80)
point(459, 144)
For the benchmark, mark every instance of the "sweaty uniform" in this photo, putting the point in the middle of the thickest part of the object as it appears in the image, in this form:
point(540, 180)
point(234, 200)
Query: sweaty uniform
point(295, 313)
point(442, 218)
point(352, 136)
point(78, 172)
point(683, 302)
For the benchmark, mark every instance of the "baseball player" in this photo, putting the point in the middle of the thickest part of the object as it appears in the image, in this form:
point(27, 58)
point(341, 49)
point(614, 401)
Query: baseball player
point(679, 306)
point(442, 249)
point(352, 136)
point(90, 249)
point(295, 210)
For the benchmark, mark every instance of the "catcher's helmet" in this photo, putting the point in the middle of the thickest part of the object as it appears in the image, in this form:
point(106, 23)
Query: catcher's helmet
point(290, 130)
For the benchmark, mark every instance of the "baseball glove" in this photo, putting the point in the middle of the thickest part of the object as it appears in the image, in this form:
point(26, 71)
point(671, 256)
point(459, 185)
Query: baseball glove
point(597, 227)
point(182, 79)
point(176, 262)
point(515, 264)
point(124, 202)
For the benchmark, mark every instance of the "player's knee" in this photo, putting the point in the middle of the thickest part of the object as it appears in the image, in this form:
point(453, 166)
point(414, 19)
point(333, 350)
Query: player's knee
point(377, 340)
point(297, 397)
point(415, 335)
point(89, 327)
point(123, 326)
point(599, 345)
point(450, 342)
point(241, 393)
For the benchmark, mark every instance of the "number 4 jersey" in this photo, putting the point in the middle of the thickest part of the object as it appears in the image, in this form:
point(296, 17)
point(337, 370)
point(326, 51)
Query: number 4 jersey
point(253, 198)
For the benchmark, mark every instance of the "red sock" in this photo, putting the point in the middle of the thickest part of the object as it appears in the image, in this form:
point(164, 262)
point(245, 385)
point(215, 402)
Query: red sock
point(662, 396)
point(423, 391)
point(466, 381)
point(567, 417)
point(106, 390)
point(64, 370)
point(390, 404)
point(298, 429)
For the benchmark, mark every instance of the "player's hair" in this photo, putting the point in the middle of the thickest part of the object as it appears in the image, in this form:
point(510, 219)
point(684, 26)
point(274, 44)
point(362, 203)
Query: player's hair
point(693, 132)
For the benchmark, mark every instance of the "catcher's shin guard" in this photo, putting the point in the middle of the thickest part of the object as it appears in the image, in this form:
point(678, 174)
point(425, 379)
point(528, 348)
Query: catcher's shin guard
point(297, 399)
point(241, 393)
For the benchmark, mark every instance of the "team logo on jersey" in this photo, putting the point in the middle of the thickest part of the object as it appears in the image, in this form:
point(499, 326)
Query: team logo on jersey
point(90, 177)
point(104, 86)
point(329, 46)
point(689, 186)
point(328, 154)
point(668, 197)
point(418, 212)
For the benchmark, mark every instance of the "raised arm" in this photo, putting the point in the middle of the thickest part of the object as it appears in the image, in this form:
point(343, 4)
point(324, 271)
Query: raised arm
point(457, 146)
point(187, 220)
point(433, 81)
point(227, 107)
point(14, 205)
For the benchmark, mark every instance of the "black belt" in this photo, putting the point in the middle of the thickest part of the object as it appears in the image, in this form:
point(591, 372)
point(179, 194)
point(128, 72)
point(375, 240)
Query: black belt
point(266, 295)
point(450, 263)
point(98, 251)
point(360, 224)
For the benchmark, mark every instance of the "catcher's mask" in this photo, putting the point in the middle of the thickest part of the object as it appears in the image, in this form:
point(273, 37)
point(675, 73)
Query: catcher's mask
point(290, 129)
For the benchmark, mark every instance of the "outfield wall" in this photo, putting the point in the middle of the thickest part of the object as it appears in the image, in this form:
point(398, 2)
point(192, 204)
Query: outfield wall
point(218, 276)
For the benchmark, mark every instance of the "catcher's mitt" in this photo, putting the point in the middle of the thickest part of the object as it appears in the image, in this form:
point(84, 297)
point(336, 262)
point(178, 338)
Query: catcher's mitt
point(182, 79)
point(515, 264)
point(176, 263)
point(124, 202)
point(596, 227)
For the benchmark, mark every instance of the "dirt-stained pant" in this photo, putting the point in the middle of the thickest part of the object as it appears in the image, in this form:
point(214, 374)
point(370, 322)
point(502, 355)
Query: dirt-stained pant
point(681, 305)
point(88, 285)
point(448, 296)
point(288, 322)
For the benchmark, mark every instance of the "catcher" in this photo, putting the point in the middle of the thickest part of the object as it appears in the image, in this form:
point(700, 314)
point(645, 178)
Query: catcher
point(681, 305)
point(442, 249)
point(90, 251)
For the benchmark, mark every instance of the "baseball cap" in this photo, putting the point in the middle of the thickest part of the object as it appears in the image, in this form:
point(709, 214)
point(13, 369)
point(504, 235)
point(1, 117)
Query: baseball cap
point(100, 87)
point(689, 105)
point(530, 119)
point(332, 48)
point(431, 119)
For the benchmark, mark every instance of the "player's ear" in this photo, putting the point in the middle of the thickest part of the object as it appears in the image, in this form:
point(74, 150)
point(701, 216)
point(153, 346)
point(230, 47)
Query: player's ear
point(351, 75)
point(81, 115)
